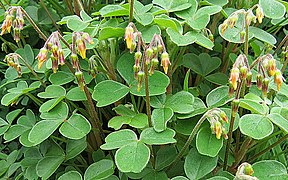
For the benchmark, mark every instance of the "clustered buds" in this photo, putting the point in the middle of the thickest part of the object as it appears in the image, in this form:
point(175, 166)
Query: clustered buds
point(217, 119)
point(12, 60)
point(17, 24)
point(150, 54)
point(80, 39)
point(245, 171)
point(240, 72)
point(57, 54)
point(92, 67)
point(249, 17)
point(267, 67)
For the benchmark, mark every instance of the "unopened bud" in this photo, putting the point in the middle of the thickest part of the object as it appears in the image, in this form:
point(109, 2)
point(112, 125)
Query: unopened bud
point(231, 89)
point(74, 60)
point(211, 37)
point(149, 53)
point(259, 79)
point(259, 14)
point(80, 79)
point(278, 79)
point(235, 106)
point(265, 84)
point(165, 61)
point(242, 36)
point(223, 116)
point(249, 79)
point(243, 72)
point(140, 80)
point(234, 77)
point(160, 48)
point(232, 20)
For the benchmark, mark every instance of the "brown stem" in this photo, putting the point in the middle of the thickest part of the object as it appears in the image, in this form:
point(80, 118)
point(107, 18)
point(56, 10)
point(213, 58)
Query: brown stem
point(242, 151)
point(80, 5)
point(148, 108)
point(131, 10)
point(281, 44)
point(268, 148)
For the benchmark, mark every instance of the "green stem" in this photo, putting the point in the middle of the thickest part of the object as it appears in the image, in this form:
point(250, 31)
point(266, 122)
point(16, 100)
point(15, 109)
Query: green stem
point(268, 148)
point(188, 142)
point(36, 100)
point(246, 38)
point(131, 10)
point(148, 108)
point(134, 103)
point(281, 44)
point(2, 6)
point(34, 25)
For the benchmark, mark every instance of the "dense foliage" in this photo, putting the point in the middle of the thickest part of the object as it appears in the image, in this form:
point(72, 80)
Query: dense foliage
point(162, 89)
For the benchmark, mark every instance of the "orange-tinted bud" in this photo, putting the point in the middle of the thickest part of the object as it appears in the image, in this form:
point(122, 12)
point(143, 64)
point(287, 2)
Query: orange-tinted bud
point(129, 36)
point(223, 116)
point(42, 57)
point(259, 79)
point(234, 77)
point(232, 20)
point(54, 63)
point(265, 84)
point(259, 14)
point(211, 37)
point(231, 89)
point(7, 24)
point(165, 61)
point(81, 48)
point(218, 129)
point(54, 50)
point(248, 170)
point(278, 79)
point(224, 26)
point(271, 67)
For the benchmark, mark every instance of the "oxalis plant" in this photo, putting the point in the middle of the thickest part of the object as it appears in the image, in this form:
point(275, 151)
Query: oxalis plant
point(144, 90)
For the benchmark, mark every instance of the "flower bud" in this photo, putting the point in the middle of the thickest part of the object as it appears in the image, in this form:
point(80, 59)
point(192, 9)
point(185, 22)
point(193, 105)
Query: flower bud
point(42, 57)
point(54, 63)
point(54, 50)
point(243, 72)
point(81, 48)
point(80, 79)
point(136, 69)
point(245, 171)
point(271, 67)
point(224, 26)
point(149, 53)
point(223, 116)
point(87, 38)
point(74, 60)
point(234, 77)
point(231, 89)
point(259, 14)
point(140, 80)
point(218, 129)
point(129, 37)
point(159, 48)
point(133, 47)
point(259, 79)
point(242, 36)
point(250, 17)
point(138, 56)
point(265, 84)
point(249, 79)
point(235, 106)
point(16, 34)
point(154, 63)
point(232, 20)
point(211, 37)
point(165, 61)
point(278, 79)
point(61, 57)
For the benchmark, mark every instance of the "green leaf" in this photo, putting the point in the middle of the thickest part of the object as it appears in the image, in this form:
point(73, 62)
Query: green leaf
point(218, 2)
point(132, 157)
point(42, 130)
point(187, 13)
point(99, 170)
point(9, 98)
point(84, 16)
point(11, 116)
point(76, 94)
point(218, 78)
point(58, 112)
point(125, 67)
point(76, 25)
point(179, 178)
point(165, 22)
point(181, 102)
point(269, 169)
point(110, 32)
point(75, 175)
point(75, 147)
point(207, 143)
point(202, 40)
point(48, 165)
point(76, 127)
point(253, 106)
point(202, 64)
point(279, 120)
point(165, 156)
point(118, 139)
point(118, 121)
point(197, 166)
point(272, 9)
point(144, 18)
point(113, 10)
point(158, 83)
point(108, 92)
point(124, 111)
point(139, 121)
point(179, 39)
point(199, 107)
point(262, 35)
point(61, 78)
point(233, 35)
point(218, 97)
point(52, 91)
point(255, 126)
point(24, 139)
point(198, 22)
point(27, 54)
point(160, 117)
point(172, 5)
point(218, 178)
point(148, 32)
point(13, 132)
point(49, 105)
point(158, 101)
point(151, 137)
point(210, 10)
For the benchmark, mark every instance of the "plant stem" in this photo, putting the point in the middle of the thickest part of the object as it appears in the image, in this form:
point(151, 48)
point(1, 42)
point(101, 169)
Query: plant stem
point(242, 151)
point(80, 5)
point(49, 15)
point(148, 108)
point(36, 100)
point(134, 103)
point(188, 142)
point(2, 6)
point(32, 71)
point(268, 148)
point(131, 10)
point(246, 45)
point(34, 25)
point(281, 44)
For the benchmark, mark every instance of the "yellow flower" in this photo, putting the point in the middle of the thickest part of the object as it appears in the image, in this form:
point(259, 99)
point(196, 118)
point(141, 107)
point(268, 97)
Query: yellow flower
point(42, 57)
point(129, 36)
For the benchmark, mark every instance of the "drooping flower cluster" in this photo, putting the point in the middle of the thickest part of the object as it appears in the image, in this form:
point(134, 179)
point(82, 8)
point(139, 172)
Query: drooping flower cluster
point(17, 23)
point(217, 119)
point(249, 17)
point(150, 55)
point(267, 67)
point(245, 171)
point(240, 72)
point(12, 60)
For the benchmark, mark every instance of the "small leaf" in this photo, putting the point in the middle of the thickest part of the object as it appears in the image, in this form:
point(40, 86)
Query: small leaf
point(61, 78)
point(110, 32)
point(49, 105)
point(76, 127)
point(48, 165)
point(132, 157)
point(181, 102)
point(118, 139)
point(42, 130)
point(218, 97)
point(207, 143)
point(217, 78)
point(210, 10)
point(269, 169)
point(262, 35)
point(160, 117)
point(124, 111)
point(151, 137)
point(99, 170)
point(76, 25)
point(75, 147)
point(139, 121)
point(118, 121)
point(108, 92)
point(253, 106)
point(198, 22)
point(197, 166)
point(190, 12)
point(281, 122)
point(75, 175)
point(165, 156)
point(113, 10)
point(255, 126)
point(272, 9)
point(75, 94)
point(58, 112)
point(165, 22)
point(52, 91)
point(172, 5)
point(179, 39)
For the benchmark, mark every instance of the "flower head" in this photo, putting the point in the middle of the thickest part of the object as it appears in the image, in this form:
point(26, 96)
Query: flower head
point(129, 36)
point(278, 79)
point(42, 57)
point(165, 61)
point(259, 14)
point(234, 77)
point(245, 171)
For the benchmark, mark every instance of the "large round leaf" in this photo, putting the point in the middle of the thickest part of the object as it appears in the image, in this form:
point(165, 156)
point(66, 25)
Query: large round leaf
point(108, 92)
point(218, 97)
point(173, 5)
point(256, 126)
point(99, 170)
point(181, 102)
point(269, 169)
point(280, 121)
point(197, 166)
point(132, 157)
point(52, 91)
point(58, 112)
point(272, 8)
point(76, 127)
point(75, 175)
point(207, 143)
